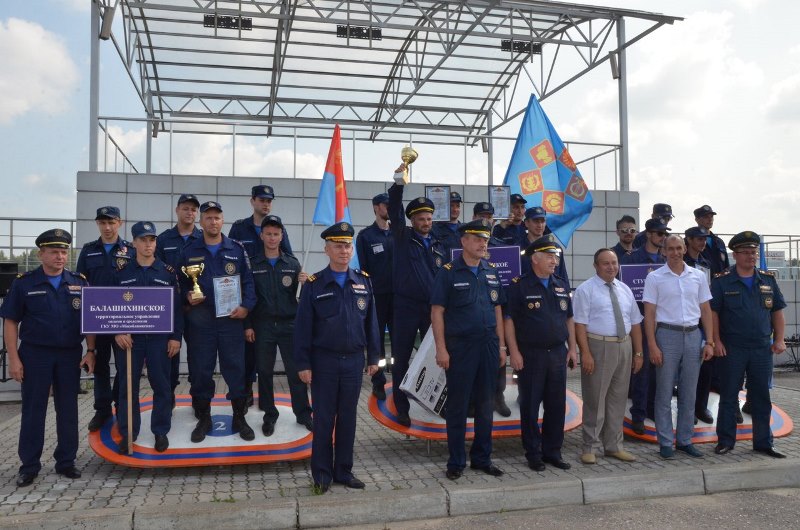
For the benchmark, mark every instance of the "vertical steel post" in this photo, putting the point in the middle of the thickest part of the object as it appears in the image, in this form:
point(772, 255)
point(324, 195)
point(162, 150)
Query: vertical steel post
point(94, 84)
point(622, 84)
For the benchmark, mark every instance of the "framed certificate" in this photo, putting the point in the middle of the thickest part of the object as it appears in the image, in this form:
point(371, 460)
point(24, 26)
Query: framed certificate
point(500, 198)
point(227, 294)
point(440, 196)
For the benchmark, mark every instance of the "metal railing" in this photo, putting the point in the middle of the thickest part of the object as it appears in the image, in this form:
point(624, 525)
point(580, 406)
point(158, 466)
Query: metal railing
point(18, 239)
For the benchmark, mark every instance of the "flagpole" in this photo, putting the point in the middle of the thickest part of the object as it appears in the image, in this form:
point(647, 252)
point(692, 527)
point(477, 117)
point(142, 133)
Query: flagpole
point(305, 254)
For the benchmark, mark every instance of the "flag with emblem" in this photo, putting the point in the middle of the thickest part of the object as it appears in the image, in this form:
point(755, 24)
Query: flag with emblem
point(332, 206)
point(542, 171)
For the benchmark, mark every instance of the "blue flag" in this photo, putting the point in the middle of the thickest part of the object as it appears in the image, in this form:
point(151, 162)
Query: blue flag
point(762, 251)
point(542, 171)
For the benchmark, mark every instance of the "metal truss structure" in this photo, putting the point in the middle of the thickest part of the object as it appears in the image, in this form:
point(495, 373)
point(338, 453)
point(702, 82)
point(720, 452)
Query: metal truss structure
point(449, 71)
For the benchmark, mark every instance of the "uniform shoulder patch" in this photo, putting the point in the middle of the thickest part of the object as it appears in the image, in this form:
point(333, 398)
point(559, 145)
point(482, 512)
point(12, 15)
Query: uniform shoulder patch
point(448, 266)
point(362, 273)
point(169, 268)
point(766, 273)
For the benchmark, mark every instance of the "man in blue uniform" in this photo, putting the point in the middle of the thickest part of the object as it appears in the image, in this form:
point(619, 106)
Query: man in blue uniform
point(468, 330)
point(536, 223)
point(538, 323)
point(374, 246)
point(642, 389)
point(155, 349)
point(715, 252)
point(97, 262)
point(747, 308)
point(626, 231)
point(42, 311)
point(169, 246)
point(447, 232)
point(417, 258)
point(271, 324)
point(210, 330)
point(512, 231)
point(661, 212)
point(695, 244)
point(247, 231)
point(336, 323)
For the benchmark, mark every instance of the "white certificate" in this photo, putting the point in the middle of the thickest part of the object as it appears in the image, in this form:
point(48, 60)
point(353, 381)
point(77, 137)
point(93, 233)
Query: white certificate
point(440, 197)
point(227, 294)
point(500, 198)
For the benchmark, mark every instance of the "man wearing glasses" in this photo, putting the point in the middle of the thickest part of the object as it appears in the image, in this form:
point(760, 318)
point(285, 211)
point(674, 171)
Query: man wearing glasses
point(643, 385)
point(661, 212)
point(626, 231)
point(747, 309)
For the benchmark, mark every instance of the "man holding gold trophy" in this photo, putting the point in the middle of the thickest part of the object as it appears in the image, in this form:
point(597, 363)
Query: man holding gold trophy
point(220, 293)
point(417, 258)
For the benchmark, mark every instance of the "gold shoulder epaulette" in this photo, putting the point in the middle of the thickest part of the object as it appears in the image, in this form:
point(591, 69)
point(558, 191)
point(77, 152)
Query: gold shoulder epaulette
point(169, 268)
point(448, 266)
point(723, 273)
point(515, 280)
point(363, 273)
point(768, 273)
point(311, 278)
point(20, 275)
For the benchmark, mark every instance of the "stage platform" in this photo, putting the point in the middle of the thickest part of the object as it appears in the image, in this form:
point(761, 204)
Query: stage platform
point(291, 441)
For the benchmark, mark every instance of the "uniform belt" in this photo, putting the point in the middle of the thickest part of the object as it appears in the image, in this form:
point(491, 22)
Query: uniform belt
point(604, 338)
point(684, 329)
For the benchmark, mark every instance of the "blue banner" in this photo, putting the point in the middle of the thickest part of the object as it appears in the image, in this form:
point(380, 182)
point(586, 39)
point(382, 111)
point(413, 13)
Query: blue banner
point(633, 276)
point(542, 171)
point(116, 310)
point(505, 259)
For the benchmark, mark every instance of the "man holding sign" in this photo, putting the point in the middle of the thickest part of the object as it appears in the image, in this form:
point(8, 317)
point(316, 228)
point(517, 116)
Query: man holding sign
point(157, 349)
point(220, 293)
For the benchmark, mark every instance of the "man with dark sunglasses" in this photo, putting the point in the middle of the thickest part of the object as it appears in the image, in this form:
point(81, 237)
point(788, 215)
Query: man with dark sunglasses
point(661, 212)
point(626, 231)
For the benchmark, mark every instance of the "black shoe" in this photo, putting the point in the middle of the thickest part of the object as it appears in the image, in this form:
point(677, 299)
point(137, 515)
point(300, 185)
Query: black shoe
point(353, 483)
point(70, 472)
point(162, 443)
point(202, 428)
point(739, 417)
point(536, 465)
point(239, 423)
point(319, 489)
point(491, 469)
point(268, 428)
point(26, 479)
point(308, 423)
point(98, 420)
point(637, 427)
point(404, 420)
point(122, 448)
point(747, 408)
point(722, 449)
point(379, 392)
point(501, 408)
point(556, 462)
point(770, 451)
point(705, 416)
point(453, 474)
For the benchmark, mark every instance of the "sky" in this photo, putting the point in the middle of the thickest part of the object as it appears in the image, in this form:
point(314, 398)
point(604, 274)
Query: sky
point(714, 114)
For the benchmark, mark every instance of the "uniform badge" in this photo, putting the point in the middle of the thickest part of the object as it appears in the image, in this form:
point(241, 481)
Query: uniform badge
point(230, 268)
point(76, 303)
point(121, 262)
point(768, 302)
point(563, 304)
point(530, 305)
point(147, 226)
point(343, 227)
point(537, 305)
point(58, 232)
point(362, 303)
point(493, 295)
point(438, 261)
point(104, 210)
point(286, 281)
point(421, 200)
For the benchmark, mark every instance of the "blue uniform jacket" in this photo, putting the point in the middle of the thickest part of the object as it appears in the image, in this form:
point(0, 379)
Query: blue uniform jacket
point(561, 268)
point(639, 256)
point(745, 315)
point(230, 259)
point(620, 252)
point(539, 313)
point(98, 266)
point(244, 231)
point(469, 300)
point(47, 317)
point(449, 238)
point(716, 253)
point(170, 243)
point(512, 234)
point(332, 320)
point(375, 248)
point(413, 266)
point(159, 274)
point(276, 288)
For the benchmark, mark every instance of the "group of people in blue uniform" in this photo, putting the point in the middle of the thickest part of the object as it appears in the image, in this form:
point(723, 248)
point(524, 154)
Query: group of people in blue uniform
point(333, 332)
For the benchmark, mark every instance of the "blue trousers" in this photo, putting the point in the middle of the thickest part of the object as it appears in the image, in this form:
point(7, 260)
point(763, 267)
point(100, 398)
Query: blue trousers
point(542, 380)
point(410, 316)
point(335, 388)
point(153, 350)
point(473, 369)
point(757, 364)
point(104, 390)
point(270, 335)
point(45, 367)
point(210, 337)
point(384, 308)
point(682, 358)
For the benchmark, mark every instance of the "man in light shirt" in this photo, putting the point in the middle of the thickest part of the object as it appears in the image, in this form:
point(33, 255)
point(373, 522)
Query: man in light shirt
point(675, 298)
point(610, 340)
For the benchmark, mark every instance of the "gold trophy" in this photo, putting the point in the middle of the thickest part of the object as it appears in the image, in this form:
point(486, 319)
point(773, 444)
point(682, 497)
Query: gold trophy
point(408, 154)
point(194, 272)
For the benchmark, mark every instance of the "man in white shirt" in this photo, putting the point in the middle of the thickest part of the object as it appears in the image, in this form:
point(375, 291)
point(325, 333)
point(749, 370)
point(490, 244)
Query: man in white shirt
point(675, 298)
point(610, 340)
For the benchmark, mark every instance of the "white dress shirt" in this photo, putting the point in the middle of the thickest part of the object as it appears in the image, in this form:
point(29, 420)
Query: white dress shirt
point(677, 297)
point(591, 305)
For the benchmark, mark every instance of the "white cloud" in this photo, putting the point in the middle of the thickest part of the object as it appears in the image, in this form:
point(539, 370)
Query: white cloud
point(36, 70)
point(782, 103)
